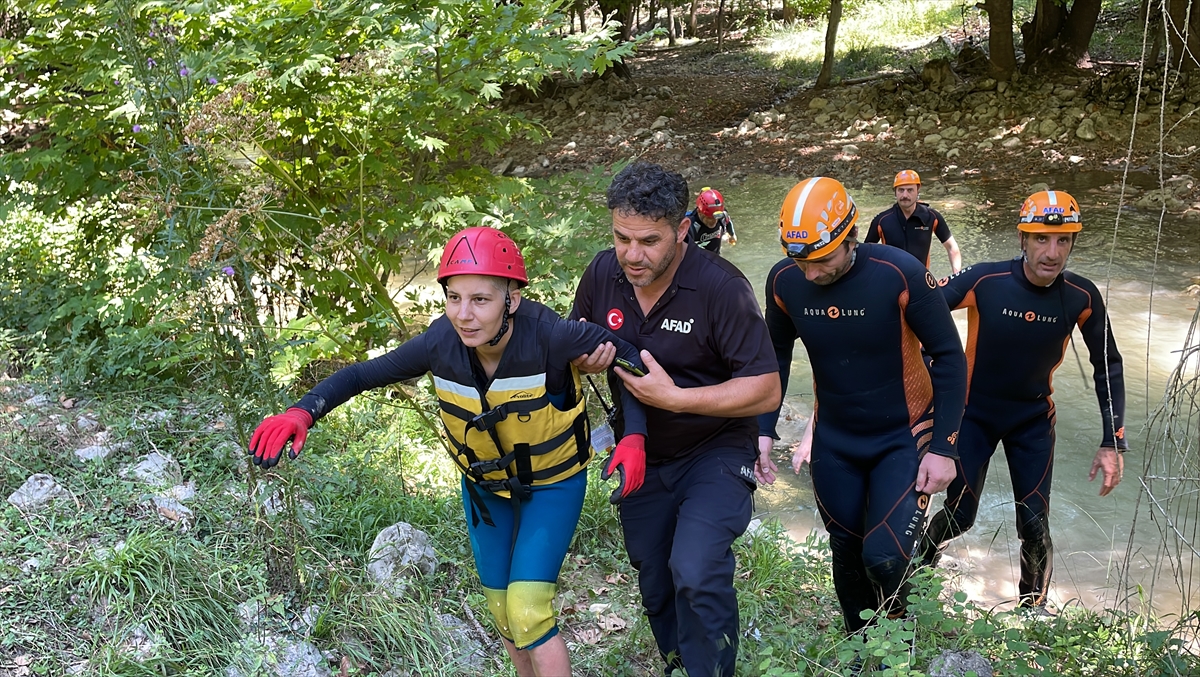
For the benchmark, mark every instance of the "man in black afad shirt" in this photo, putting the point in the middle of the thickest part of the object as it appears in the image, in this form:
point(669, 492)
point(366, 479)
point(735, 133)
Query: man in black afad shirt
point(885, 426)
point(1021, 314)
point(709, 373)
point(911, 224)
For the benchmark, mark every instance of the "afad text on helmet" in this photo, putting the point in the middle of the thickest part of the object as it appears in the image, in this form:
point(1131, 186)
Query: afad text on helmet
point(834, 312)
point(1029, 316)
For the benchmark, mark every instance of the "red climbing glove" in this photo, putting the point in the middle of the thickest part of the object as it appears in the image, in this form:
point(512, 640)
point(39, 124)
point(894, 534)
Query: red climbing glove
point(629, 457)
point(274, 432)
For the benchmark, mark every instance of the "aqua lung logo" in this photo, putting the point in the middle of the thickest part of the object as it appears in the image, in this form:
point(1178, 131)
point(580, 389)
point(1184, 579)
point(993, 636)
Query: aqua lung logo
point(834, 312)
point(1029, 316)
point(945, 280)
point(681, 326)
point(917, 520)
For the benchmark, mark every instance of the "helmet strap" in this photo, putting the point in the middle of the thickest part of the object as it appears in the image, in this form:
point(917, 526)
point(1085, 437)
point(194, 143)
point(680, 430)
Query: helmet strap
point(504, 321)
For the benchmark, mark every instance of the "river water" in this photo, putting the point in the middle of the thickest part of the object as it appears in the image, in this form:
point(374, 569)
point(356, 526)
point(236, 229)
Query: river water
point(1150, 314)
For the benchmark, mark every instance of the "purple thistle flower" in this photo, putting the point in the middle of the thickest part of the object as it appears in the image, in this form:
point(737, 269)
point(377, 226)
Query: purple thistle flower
point(184, 72)
point(212, 81)
point(137, 128)
point(228, 270)
point(151, 63)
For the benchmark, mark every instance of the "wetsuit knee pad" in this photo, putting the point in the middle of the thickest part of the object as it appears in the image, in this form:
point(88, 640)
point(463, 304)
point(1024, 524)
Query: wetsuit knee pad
point(531, 612)
point(497, 601)
point(888, 573)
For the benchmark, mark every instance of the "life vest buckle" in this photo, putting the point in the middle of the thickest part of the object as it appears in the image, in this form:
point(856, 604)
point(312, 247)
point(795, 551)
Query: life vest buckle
point(488, 419)
point(481, 468)
point(512, 485)
point(492, 486)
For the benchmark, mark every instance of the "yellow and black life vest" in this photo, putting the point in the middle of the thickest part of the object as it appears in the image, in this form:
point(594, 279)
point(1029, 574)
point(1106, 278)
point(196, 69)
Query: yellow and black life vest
point(510, 436)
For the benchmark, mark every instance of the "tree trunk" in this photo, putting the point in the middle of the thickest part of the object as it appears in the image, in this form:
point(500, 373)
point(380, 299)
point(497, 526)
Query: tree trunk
point(720, 25)
point(789, 12)
point(1041, 32)
point(693, 31)
point(670, 22)
point(652, 15)
point(1002, 53)
point(1182, 36)
point(618, 10)
point(1077, 34)
point(835, 18)
point(1058, 35)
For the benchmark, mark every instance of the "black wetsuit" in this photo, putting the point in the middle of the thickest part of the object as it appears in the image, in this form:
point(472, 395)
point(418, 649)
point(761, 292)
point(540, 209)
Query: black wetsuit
point(879, 409)
point(710, 238)
point(1017, 336)
point(413, 358)
point(913, 234)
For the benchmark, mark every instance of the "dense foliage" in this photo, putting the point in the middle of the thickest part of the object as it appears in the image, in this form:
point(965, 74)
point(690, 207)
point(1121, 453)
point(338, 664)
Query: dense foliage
point(259, 171)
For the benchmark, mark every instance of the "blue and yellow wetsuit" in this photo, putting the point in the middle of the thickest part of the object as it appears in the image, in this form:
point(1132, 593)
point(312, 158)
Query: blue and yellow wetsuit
point(879, 409)
point(1017, 335)
point(520, 439)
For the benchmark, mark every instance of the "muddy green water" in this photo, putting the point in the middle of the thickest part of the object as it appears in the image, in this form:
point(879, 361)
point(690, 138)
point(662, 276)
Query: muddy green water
point(1150, 313)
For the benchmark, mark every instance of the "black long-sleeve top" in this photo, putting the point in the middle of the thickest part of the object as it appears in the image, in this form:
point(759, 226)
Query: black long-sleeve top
point(1017, 335)
point(864, 334)
point(568, 340)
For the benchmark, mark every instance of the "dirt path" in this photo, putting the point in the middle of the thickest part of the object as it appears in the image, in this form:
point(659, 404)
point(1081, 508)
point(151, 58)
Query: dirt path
point(709, 113)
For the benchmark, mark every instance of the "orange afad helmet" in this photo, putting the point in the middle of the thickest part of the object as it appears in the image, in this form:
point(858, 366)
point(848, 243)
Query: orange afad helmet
point(482, 251)
point(1050, 211)
point(816, 217)
point(905, 177)
point(710, 202)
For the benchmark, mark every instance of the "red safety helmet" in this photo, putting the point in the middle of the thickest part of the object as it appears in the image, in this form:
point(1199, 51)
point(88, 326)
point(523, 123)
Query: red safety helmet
point(710, 202)
point(482, 251)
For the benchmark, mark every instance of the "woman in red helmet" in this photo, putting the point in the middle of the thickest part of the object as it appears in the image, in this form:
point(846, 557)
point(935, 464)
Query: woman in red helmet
point(710, 221)
point(513, 411)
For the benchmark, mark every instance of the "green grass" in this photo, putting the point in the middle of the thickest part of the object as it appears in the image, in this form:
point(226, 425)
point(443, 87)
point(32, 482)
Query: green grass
point(888, 36)
point(108, 567)
point(899, 35)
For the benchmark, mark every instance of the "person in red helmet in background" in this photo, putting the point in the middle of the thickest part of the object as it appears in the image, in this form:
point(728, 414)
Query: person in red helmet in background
point(514, 413)
point(1021, 314)
point(710, 221)
point(911, 224)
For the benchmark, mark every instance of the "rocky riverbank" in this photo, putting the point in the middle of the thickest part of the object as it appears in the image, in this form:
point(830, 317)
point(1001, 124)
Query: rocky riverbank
point(712, 114)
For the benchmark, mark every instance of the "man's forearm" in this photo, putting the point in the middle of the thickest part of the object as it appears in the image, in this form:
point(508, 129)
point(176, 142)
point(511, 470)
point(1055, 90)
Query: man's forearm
point(955, 255)
point(742, 396)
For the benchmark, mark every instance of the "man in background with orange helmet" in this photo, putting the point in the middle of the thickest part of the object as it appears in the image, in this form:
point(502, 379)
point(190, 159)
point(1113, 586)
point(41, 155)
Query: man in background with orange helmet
point(911, 224)
point(514, 413)
point(1021, 314)
point(885, 425)
point(710, 221)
